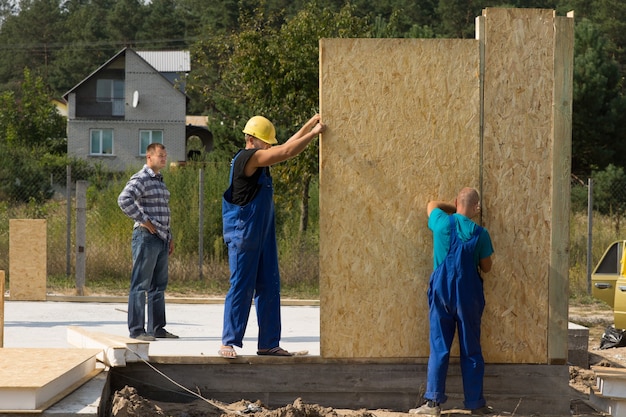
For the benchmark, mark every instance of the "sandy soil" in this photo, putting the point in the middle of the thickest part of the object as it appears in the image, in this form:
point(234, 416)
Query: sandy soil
point(127, 403)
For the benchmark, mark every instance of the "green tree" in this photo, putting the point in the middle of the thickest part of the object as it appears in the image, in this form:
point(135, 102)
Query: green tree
point(31, 120)
point(212, 17)
point(609, 193)
point(408, 18)
point(29, 39)
point(7, 8)
point(163, 26)
point(273, 72)
point(457, 18)
point(598, 103)
point(609, 15)
point(30, 128)
point(84, 43)
point(123, 21)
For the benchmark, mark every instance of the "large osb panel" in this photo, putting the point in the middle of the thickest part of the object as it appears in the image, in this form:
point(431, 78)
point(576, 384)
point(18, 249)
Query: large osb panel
point(27, 259)
point(519, 186)
point(403, 117)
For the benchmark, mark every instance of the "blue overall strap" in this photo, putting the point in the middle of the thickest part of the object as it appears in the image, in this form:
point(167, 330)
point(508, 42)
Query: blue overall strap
point(477, 231)
point(232, 167)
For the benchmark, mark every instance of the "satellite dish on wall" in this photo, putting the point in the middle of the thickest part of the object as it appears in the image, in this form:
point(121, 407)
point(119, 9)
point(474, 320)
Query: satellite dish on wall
point(135, 98)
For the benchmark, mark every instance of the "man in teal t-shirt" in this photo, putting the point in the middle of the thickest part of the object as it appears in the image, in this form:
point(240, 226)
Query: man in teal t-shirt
point(461, 249)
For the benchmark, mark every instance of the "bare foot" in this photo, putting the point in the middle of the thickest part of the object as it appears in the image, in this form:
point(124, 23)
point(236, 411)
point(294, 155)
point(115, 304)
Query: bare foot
point(227, 352)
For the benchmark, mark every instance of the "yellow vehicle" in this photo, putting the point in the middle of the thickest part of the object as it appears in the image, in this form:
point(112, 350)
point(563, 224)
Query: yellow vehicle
point(609, 281)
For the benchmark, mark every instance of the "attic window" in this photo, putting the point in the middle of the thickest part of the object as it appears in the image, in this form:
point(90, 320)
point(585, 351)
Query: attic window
point(111, 91)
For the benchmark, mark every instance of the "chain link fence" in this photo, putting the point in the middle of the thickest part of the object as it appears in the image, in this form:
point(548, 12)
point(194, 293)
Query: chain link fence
point(196, 222)
point(598, 218)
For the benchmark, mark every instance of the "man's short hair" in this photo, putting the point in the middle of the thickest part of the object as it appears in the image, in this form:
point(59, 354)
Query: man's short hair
point(154, 146)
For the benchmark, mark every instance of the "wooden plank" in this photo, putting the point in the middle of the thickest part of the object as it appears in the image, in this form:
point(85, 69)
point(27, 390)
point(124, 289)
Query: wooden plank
point(558, 279)
point(27, 259)
point(609, 371)
point(255, 360)
point(342, 384)
point(114, 350)
point(31, 377)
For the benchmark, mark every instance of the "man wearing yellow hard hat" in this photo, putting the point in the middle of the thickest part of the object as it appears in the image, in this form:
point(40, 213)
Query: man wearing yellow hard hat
point(250, 234)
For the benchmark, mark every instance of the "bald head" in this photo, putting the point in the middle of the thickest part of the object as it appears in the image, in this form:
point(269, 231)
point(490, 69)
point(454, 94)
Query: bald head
point(468, 202)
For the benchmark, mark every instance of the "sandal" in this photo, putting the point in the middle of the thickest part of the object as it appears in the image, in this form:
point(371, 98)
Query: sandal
point(276, 351)
point(227, 352)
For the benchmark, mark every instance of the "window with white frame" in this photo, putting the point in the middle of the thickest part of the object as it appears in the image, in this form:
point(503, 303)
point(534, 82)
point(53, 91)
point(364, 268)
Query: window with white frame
point(146, 137)
point(101, 142)
point(111, 91)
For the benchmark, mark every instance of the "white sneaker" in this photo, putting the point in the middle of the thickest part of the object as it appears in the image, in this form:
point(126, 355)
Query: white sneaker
point(429, 408)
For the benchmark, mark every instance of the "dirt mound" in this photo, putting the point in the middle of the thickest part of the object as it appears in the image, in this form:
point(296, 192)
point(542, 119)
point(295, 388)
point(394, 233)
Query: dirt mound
point(297, 409)
point(128, 403)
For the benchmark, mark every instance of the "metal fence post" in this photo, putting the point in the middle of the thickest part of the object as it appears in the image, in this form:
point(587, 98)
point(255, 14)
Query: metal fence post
point(200, 221)
point(589, 231)
point(81, 226)
point(68, 232)
point(1, 309)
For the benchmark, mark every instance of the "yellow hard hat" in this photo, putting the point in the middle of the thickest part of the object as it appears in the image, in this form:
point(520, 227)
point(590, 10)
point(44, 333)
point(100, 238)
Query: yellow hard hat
point(261, 128)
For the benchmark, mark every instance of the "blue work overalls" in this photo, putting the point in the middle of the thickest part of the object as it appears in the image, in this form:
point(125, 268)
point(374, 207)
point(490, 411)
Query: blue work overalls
point(456, 300)
point(250, 234)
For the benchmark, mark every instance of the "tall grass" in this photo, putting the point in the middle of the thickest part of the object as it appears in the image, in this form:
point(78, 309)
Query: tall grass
point(109, 232)
point(108, 237)
point(603, 234)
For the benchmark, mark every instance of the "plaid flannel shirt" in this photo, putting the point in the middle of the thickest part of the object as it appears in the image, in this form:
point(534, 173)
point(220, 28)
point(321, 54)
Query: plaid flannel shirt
point(145, 197)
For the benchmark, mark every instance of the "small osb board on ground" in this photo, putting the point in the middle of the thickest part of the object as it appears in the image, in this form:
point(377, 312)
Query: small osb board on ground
point(32, 379)
point(27, 259)
point(405, 121)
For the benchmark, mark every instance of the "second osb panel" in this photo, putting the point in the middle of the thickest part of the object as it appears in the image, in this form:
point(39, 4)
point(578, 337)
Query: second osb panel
point(519, 185)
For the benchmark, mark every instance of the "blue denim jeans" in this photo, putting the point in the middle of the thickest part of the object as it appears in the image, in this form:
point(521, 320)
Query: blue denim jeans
point(148, 281)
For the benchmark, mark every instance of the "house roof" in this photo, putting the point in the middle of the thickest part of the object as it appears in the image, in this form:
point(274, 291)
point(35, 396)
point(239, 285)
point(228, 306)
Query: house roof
point(61, 106)
point(114, 57)
point(167, 61)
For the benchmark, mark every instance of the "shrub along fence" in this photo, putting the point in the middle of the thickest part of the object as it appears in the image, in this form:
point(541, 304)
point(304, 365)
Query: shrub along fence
point(597, 220)
point(199, 255)
point(196, 223)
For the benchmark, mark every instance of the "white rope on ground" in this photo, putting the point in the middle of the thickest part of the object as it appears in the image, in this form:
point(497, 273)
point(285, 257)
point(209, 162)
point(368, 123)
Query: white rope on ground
point(213, 403)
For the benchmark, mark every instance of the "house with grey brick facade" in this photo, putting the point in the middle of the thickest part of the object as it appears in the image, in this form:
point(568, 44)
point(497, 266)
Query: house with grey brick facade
point(126, 104)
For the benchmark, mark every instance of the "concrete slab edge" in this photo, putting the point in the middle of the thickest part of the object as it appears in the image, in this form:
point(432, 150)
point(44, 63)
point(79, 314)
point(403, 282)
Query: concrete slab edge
point(173, 300)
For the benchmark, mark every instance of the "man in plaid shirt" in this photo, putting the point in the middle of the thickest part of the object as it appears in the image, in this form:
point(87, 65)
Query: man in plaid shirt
point(145, 199)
